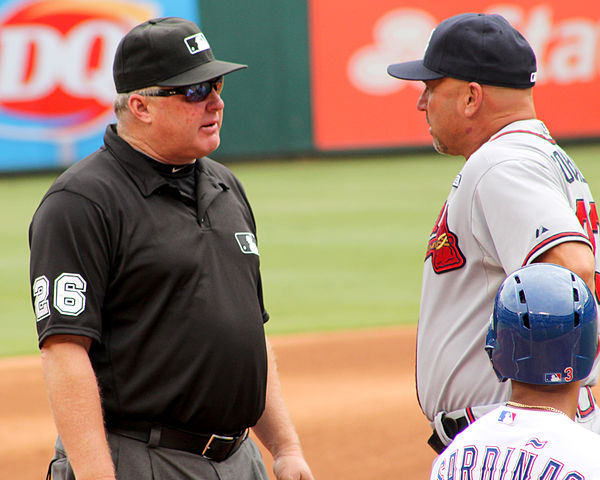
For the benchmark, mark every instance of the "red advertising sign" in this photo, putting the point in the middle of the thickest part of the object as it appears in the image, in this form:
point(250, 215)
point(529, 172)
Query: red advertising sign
point(356, 104)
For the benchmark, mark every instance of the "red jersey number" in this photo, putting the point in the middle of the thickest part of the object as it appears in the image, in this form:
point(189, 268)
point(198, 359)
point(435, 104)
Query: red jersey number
point(589, 221)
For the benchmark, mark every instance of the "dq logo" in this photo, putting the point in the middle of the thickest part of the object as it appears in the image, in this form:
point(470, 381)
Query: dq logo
point(56, 61)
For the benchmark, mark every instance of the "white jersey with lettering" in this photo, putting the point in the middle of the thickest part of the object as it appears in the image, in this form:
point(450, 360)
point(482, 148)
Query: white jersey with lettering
point(512, 443)
point(516, 197)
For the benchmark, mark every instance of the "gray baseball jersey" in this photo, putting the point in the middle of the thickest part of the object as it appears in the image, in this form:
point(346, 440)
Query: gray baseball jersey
point(516, 197)
point(516, 443)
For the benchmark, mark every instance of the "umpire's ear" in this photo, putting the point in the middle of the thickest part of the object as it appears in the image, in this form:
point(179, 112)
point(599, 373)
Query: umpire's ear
point(138, 106)
point(473, 99)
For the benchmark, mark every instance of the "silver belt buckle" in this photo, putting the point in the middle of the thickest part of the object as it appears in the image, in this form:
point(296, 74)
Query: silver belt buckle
point(215, 437)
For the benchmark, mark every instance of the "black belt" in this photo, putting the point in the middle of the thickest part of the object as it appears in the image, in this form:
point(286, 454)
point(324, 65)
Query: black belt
point(452, 427)
point(215, 447)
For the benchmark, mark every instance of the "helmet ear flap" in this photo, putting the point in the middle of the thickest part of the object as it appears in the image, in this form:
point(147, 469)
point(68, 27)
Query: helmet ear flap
point(491, 344)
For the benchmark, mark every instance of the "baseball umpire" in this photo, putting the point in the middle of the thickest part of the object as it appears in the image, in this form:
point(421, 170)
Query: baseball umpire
point(518, 199)
point(147, 289)
point(543, 336)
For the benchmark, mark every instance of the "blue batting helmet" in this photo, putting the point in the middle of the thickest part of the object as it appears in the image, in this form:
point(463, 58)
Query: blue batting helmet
point(543, 329)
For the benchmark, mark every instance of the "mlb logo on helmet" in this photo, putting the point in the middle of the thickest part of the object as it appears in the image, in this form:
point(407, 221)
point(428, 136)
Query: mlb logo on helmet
point(553, 377)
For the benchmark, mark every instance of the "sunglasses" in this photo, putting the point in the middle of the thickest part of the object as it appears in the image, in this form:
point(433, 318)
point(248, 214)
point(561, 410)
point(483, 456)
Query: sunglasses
point(193, 93)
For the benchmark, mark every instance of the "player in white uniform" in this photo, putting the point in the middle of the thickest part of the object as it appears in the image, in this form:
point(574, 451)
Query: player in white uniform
point(519, 199)
point(543, 336)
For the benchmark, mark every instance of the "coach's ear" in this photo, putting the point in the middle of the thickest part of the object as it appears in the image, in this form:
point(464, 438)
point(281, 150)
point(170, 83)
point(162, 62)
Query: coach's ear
point(473, 99)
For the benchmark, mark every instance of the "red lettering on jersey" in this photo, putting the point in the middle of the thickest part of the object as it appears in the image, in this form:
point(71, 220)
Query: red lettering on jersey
point(443, 246)
point(589, 221)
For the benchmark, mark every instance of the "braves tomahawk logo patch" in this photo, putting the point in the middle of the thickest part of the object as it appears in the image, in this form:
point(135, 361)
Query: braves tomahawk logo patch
point(443, 246)
point(247, 243)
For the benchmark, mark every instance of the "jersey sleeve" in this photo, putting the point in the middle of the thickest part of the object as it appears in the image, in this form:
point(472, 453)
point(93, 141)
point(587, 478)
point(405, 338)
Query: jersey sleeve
point(521, 210)
point(69, 266)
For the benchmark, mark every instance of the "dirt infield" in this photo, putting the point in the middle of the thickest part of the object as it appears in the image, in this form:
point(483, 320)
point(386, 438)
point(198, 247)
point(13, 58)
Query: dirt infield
point(351, 395)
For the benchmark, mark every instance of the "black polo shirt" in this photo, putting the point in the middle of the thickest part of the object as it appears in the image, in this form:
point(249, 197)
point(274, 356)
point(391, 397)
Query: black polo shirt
point(169, 292)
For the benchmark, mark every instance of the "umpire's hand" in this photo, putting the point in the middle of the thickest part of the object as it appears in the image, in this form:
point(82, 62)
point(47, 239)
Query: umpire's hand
point(291, 467)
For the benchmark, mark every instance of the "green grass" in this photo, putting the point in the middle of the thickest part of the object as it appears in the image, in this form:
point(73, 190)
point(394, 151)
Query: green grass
point(342, 241)
point(19, 197)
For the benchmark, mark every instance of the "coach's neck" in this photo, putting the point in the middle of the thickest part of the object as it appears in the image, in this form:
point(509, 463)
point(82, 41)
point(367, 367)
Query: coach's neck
point(488, 109)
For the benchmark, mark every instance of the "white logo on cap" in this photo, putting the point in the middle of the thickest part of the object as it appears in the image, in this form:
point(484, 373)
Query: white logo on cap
point(196, 43)
point(533, 77)
point(429, 41)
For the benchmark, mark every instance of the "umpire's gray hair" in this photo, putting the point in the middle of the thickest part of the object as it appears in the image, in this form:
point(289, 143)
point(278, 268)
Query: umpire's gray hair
point(122, 99)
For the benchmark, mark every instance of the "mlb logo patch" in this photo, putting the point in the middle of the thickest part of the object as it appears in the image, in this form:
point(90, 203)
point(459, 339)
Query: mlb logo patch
point(506, 417)
point(553, 377)
point(247, 243)
point(196, 43)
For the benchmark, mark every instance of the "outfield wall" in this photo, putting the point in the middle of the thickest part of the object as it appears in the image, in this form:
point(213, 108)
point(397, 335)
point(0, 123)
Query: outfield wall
point(316, 80)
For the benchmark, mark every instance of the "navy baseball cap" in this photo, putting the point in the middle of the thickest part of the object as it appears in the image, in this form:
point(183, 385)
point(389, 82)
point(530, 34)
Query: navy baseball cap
point(477, 48)
point(166, 52)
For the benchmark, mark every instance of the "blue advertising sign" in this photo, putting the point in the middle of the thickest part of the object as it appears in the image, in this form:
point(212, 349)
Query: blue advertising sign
point(56, 87)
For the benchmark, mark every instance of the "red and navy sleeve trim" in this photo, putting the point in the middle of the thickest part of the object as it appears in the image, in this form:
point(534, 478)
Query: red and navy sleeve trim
point(553, 239)
point(470, 415)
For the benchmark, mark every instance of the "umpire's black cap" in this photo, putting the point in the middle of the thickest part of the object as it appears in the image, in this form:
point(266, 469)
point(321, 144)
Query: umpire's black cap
point(167, 52)
point(477, 48)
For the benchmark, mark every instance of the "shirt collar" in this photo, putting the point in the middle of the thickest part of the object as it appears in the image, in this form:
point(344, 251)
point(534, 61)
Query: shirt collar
point(532, 126)
point(136, 164)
